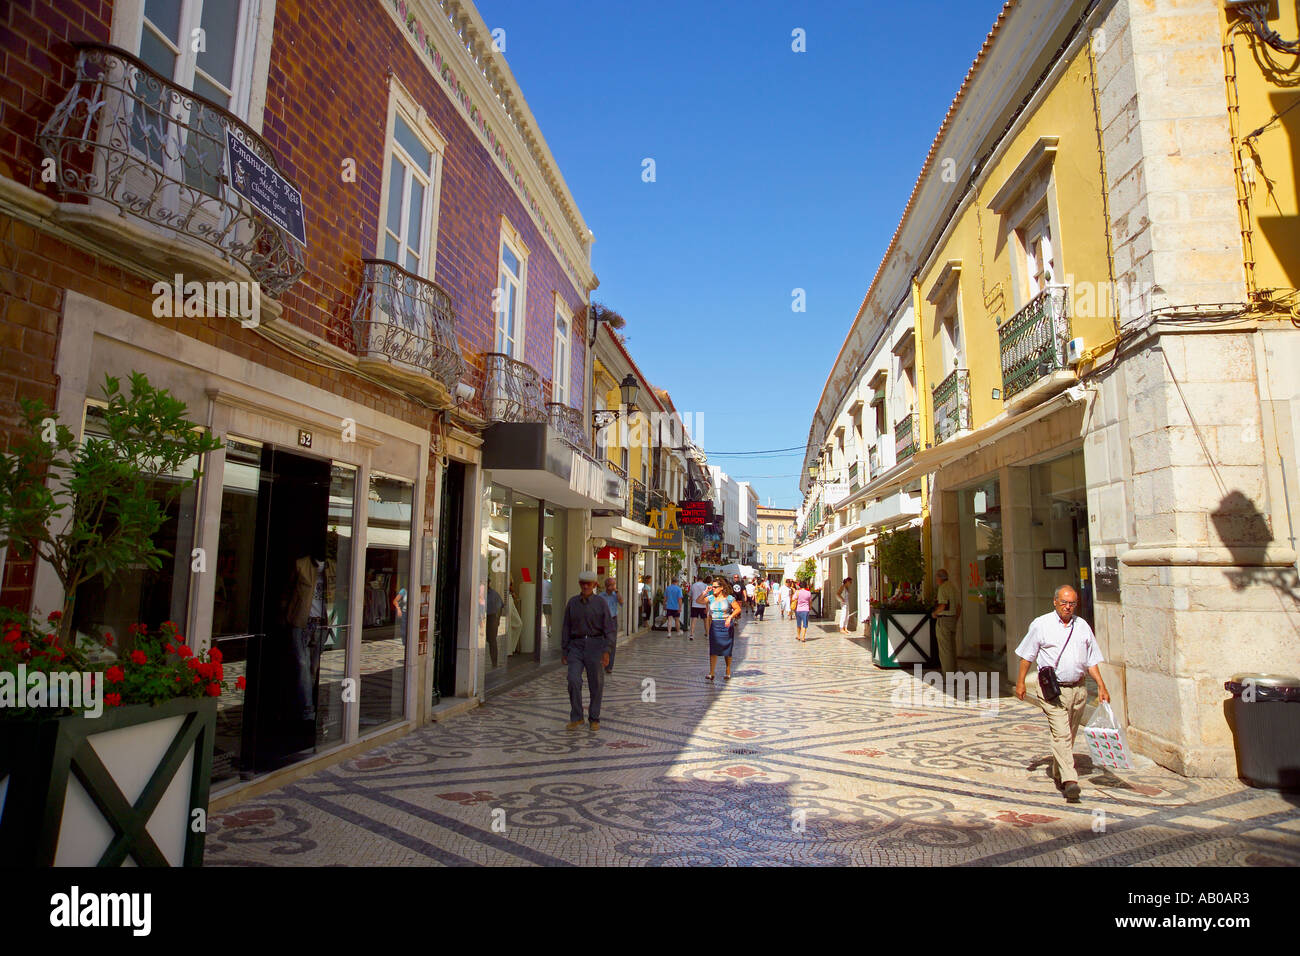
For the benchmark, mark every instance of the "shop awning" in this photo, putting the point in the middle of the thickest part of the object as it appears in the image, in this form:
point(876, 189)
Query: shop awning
point(617, 528)
point(530, 457)
point(852, 540)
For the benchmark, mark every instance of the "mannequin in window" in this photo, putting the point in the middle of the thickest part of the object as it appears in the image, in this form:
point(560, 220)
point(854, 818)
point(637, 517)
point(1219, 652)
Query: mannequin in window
point(309, 603)
point(375, 600)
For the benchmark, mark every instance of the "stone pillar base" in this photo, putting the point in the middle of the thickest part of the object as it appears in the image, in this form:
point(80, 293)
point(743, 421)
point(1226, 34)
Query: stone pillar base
point(1197, 762)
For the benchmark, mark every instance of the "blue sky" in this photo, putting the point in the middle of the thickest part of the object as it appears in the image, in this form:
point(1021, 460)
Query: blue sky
point(774, 170)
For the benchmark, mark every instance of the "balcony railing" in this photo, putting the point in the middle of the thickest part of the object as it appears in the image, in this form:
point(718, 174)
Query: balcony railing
point(514, 390)
point(408, 321)
point(154, 150)
point(873, 462)
point(952, 405)
point(854, 484)
point(907, 432)
point(568, 422)
point(1033, 340)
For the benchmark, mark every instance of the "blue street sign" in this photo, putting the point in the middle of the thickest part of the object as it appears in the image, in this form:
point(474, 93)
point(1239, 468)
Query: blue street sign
point(270, 193)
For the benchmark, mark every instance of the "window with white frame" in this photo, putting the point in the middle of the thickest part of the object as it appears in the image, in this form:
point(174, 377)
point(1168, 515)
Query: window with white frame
point(411, 192)
point(562, 353)
point(1036, 240)
point(770, 532)
point(200, 45)
point(780, 534)
point(509, 306)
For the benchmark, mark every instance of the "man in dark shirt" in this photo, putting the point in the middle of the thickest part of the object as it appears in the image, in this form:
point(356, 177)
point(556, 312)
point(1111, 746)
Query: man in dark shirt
point(586, 634)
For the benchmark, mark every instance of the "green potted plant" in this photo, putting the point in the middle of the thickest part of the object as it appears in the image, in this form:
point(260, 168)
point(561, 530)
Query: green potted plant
point(89, 509)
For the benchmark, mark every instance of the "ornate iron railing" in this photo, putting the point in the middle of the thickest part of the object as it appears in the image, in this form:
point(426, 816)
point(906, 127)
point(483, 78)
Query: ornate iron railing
point(514, 390)
point(407, 319)
point(1033, 340)
point(907, 431)
point(617, 469)
point(568, 422)
point(952, 405)
point(157, 151)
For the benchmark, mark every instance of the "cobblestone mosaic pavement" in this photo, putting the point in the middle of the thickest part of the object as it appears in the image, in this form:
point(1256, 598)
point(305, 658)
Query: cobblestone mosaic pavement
point(805, 757)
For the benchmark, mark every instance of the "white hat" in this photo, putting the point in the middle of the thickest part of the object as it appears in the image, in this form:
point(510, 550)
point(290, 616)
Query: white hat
point(587, 576)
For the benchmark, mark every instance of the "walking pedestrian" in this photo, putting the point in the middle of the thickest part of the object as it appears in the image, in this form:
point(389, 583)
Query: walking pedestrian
point(802, 608)
point(783, 597)
point(723, 611)
point(673, 606)
point(698, 610)
point(738, 591)
point(760, 598)
point(1065, 643)
point(846, 588)
point(615, 602)
point(750, 591)
point(586, 634)
point(945, 612)
point(644, 591)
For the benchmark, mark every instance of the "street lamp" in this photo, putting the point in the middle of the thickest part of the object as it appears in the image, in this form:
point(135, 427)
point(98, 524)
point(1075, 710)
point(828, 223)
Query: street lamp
point(627, 392)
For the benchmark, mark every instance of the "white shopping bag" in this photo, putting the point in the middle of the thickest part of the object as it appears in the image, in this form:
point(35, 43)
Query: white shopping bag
point(1106, 740)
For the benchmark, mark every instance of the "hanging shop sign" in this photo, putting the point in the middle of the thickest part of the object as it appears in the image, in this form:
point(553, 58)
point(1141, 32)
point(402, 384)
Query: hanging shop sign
point(695, 512)
point(270, 193)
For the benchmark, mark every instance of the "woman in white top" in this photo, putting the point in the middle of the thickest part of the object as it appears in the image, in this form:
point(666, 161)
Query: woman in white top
point(843, 595)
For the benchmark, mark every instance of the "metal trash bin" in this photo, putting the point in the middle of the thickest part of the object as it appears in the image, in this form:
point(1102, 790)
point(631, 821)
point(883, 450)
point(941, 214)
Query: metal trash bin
point(1266, 731)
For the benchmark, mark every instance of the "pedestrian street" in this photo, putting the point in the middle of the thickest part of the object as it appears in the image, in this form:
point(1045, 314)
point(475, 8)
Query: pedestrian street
point(806, 757)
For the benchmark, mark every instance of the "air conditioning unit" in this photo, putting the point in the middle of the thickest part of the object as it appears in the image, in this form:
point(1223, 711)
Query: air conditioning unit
point(1074, 351)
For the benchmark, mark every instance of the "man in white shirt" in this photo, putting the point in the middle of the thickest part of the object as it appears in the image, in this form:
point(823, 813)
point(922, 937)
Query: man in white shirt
point(698, 611)
point(1061, 640)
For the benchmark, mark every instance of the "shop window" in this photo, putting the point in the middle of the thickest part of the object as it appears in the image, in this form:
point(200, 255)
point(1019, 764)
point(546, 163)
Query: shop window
point(140, 594)
point(386, 624)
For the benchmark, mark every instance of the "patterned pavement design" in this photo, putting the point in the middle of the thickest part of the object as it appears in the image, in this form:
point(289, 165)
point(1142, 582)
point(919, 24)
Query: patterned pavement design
point(803, 758)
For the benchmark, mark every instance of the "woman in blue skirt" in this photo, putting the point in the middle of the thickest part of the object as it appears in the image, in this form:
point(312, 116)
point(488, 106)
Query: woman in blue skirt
point(723, 611)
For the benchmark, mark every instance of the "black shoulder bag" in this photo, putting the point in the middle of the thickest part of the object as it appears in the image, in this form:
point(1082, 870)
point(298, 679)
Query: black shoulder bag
point(1048, 685)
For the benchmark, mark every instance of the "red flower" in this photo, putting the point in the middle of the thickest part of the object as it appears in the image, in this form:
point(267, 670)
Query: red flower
point(108, 639)
point(51, 637)
point(139, 657)
point(113, 700)
point(115, 675)
point(13, 635)
point(240, 682)
point(196, 679)
point(215, 656)
point(21, 646)
point(136, 628)
point(184, 651)
point(54, 616)
point(214, 690)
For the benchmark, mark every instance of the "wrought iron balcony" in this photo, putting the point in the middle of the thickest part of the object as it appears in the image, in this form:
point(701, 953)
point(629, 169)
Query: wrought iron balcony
point(907, 435)
point(952, 405)
point(404, 320)
point(1033, 340)
point(617, 469)
point(126, 136)
point(568, 422)
point(514, 390)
